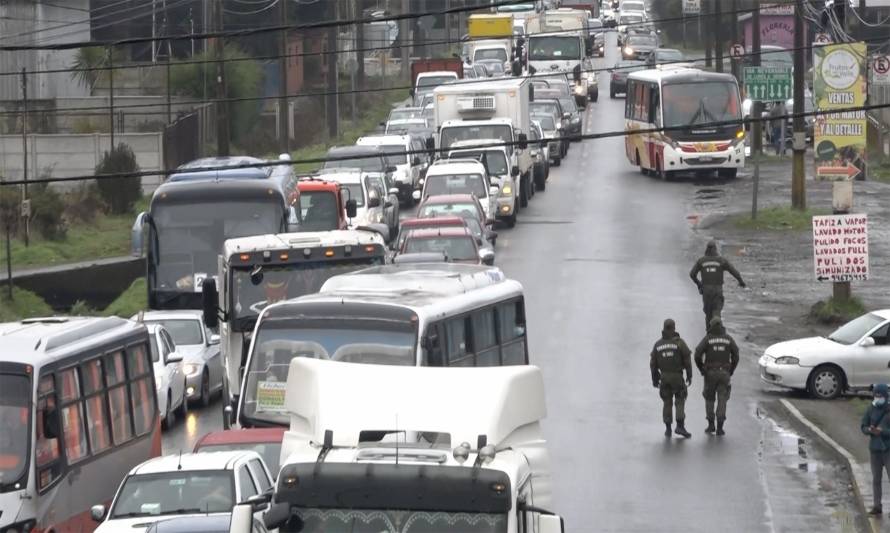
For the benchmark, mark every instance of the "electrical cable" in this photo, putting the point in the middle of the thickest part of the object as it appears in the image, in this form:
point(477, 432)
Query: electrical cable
point(258, 11)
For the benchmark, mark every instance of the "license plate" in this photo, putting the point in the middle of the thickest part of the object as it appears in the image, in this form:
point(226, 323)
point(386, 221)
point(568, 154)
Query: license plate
point(705, 159)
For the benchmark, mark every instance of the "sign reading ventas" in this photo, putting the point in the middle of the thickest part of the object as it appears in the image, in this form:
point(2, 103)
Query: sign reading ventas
point(840, 247)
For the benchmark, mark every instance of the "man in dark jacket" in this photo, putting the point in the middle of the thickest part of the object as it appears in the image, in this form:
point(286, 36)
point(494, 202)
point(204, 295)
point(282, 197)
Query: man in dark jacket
point(711, 267)
point(876, 424)
point(669, 358)
point(716, 357)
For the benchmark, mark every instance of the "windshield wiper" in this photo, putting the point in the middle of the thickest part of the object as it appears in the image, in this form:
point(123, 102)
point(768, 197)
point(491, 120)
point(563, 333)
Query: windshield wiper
point(185, 511)
point(133, 514)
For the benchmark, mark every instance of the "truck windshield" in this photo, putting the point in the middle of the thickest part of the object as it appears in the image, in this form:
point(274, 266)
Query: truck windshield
point(395, 154)
point(698, 103)
point(453, 134)
point(319, 211)
point(428, 83)
point(499, 54)
point(376, 520)
point(554, 48)
point(191, 235)
point(352, 339)
point(253, 290)
point(15, 419)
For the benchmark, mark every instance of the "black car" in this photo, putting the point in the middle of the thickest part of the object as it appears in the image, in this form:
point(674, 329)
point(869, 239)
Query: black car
point(618, 82)
point(639, 46)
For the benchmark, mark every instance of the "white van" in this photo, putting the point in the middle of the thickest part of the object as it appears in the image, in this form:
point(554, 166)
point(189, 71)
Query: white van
point(461, 176)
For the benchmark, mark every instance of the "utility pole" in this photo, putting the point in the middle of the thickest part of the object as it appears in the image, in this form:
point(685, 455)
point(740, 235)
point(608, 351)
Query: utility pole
point(756, 108)
point(718, 36)
point(360, 51)
point(403, 38)
point(222, 106)
point(798, 171)
point(25, 213)
point(283, 105)
point(333, 105)
point(706, 38)
point(109, 54)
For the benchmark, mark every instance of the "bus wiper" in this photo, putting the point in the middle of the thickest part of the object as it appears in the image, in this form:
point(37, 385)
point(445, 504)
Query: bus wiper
point(703, 113)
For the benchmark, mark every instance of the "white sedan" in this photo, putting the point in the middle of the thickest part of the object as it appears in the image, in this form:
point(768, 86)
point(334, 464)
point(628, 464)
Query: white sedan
point(169, 377)
point(854, 357)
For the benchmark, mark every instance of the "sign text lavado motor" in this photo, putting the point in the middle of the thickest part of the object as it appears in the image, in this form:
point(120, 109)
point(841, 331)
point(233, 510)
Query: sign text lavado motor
point(840, 247)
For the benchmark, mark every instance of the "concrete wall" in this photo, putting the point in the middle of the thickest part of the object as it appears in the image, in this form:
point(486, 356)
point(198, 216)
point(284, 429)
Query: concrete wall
point(77, 155)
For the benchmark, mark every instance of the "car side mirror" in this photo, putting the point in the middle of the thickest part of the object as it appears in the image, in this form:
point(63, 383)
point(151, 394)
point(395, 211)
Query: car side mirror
point(136, 234)
point(390, 169)
point(493, 190)
point(516, 67)
point(415, 162)
point(487, 257)
point(351, 208)
point(411, 92)
point(514, 171)
point(173, 357)
point(566, 116)
point(97, 513)
point(415, 195)
point(394, 191)
point(214, 340)
point(430, 144)
point(867, 342)
point(210, 303)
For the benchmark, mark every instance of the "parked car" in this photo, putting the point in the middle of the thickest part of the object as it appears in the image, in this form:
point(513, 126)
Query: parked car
point(264, 441)
point(169, 377)
point(457, 244)
point(851, 359)
point(199, 349)
point(183, 485)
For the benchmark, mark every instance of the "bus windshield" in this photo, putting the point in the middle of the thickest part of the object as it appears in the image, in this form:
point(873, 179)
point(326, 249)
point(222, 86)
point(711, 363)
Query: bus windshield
point(255, 288)
point(374, 520)
point(15, 419)
point(353, 339)
point(451, 135)
point(499, 54)
point(554, 48)
point(319, 211)
point(175, 493)
point(191, 235)
point(700, 103)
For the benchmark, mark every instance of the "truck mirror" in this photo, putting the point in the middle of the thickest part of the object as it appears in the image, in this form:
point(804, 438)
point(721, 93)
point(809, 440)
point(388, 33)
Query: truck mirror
point(516, 67)
point(514, 171)
point(551, 524)
point(576, 73)
point(242, 518)
point(210, 303)
point(430, 143)
point(136, 234)
point(351, 208)
point(523, 141)
point(278, 515)
point(373, 200)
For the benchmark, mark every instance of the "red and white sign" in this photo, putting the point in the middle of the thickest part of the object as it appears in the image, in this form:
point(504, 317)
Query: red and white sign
point(838, 173)
point(840, 247)
point(881, 70)
point(736, 51)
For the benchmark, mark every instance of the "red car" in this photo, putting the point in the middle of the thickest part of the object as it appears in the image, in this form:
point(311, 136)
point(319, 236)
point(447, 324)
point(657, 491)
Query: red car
point(410, 224)
point(264, 441)
point(458, 245)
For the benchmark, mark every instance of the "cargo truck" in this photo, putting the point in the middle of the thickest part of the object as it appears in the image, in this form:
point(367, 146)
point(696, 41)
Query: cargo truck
point(489, 26)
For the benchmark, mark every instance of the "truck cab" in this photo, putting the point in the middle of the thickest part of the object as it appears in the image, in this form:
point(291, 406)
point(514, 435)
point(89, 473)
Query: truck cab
point(565, 52)
point(323, 205)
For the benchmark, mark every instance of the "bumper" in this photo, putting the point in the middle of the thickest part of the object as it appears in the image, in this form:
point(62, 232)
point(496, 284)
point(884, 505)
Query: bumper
point(788, 376)
point(618, 86)
point(506, 205)
point(405, 190)
point(575, 128)
point(554, 148)
point(734, 157)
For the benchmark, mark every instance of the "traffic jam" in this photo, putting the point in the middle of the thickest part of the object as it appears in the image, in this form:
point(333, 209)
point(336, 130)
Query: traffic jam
point(324, 310)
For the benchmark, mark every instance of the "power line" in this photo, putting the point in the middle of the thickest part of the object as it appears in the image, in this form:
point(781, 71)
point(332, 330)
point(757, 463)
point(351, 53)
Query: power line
point(76, 23)
point(579, 137)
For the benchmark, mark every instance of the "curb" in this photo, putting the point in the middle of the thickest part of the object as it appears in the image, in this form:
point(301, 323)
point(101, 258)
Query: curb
point(859, 474)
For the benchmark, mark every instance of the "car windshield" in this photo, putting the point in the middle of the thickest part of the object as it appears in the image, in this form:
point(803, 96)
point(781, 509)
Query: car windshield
point(184, 331)
point(456, 184)
point(190, 236)
point(697, 103)
point(354, 191)
point(546, 121)
point(403, 113)
point(377, 520)
point(171, 493)
point(641, 40)
point(494, 160)
point(568, 104)
point(319, 211)
point(454, 248)
point(255, 287)
point(554, 48)
point(546, 107)
point(428, 83)
point(670, 55)
point(15, 419)
point(269, 451)
point(852, 331)
point(460, 210)
point(499, 54)
point(395, 154)
point(774, 55)
point(454, 134)
point(366, 163)
point(630, 19)
point(401, 128)
point(353, 339)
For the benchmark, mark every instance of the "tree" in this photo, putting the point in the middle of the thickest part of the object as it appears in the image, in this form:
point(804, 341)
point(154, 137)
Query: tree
point(119, 193)
point(88, 63)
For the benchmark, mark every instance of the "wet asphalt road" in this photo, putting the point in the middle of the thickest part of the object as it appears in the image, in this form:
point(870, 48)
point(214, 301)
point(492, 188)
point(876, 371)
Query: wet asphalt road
point(602, 254)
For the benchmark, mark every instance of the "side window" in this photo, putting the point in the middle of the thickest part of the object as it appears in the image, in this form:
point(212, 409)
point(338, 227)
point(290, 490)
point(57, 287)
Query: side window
point(118, 400)
point(485, 343)
point(456, 334)
point(435, 347)
point(880, 335)
point(245, 484)
point(654, 106)
point(629, 100)
point(96, 408)
point(142, 397)
point(168, 340)
point(259, 474)
point(47, 454)
point(643, 102)
point(72, 416)
point(511, 332)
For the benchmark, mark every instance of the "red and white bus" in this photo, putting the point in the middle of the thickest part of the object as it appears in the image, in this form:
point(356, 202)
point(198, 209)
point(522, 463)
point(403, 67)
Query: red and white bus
point(701, 114)
point(77, 411)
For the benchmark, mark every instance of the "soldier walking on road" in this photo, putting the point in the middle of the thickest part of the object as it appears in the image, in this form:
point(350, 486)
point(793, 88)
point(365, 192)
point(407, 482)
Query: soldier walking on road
point(711, 266)
point(716, 357)
point(669, 358)
point(876, 424)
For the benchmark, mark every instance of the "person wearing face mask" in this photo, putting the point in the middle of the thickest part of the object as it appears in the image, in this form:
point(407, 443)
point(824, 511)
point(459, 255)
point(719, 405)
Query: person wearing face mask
point(876, 425)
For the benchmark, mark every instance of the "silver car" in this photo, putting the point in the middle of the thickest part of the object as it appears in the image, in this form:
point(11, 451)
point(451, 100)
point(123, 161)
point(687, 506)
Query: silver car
point(199, 348)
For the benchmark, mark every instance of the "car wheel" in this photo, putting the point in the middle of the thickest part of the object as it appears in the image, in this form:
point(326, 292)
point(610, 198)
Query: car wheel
point(611, 94)
point(170, 416)
point(205, 389)
point(826, 382)
point(540, 180)
point(557, 161)
point(523, 192)
point(184, 406)
point(664, 175)
point(511, 220)
point(728, 173)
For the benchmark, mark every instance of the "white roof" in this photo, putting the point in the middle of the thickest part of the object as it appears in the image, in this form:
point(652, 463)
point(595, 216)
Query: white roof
point(39, 341)
point(496, 120)
point(193, 461)
point(309, 239)
point(444, 167)
point(488, 85)
point(478, 144)
point(342, 175)
point(379, 140)
point(178, 314)
point(446, 279)
point(464, 402)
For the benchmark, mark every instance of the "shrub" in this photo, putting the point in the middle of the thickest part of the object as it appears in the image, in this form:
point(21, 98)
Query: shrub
point(84, 203)
point(10, 207)
point(119, 194)
point(47, 209)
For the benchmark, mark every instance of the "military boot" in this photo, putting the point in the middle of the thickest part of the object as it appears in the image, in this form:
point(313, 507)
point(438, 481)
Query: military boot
point(667, 429)
point(720, 431)
point(681, 430)
point(710, 428)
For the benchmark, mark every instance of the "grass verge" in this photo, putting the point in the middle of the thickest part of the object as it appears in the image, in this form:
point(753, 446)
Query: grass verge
point(24, 304)
point(832, 311)
point(130, 302)
point(880, 172)
point(777, 219)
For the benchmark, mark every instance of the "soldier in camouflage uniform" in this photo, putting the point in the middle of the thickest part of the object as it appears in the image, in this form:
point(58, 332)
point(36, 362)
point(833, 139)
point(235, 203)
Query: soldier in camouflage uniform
point(711, 267)
point(716, 357)
point(669, 358)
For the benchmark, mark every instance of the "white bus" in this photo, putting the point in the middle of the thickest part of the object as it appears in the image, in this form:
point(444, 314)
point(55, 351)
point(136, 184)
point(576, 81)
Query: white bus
point(409, 315)
point(702, 116)
point(77, 412)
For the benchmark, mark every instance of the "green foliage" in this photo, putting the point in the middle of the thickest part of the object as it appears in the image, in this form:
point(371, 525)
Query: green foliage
point(133, 300)
point(87, 60)
point(779, 218)
point(832, 311)
point(243, 80)
point(119, 193)
point(81, 308)
point(24, 304)
point(47, 208)
point(10, 207)
point(84, 203)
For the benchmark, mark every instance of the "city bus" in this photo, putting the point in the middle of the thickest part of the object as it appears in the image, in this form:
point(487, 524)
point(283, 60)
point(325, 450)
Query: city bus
point(77, 411)
point(195, 211)
point(702, 116)
point(255, 272)
point(407, 315)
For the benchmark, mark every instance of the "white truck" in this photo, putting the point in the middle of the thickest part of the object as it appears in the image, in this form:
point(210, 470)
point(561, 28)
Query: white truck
point(493, 109)
point(562, 44)
point(410, 454)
